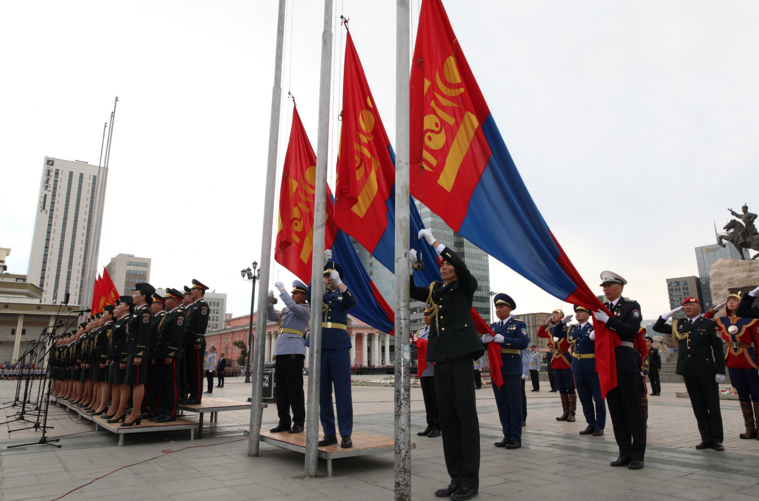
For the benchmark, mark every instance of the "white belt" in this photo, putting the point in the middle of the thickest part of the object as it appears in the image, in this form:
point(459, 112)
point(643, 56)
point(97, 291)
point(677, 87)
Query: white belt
point(628, 344)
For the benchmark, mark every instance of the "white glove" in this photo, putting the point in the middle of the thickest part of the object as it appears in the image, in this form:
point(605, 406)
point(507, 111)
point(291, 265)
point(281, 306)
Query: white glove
point(427, 235)
point(328, 255)
point(486, 338)
point(567, 319)
point(667, 315)
point(601, 316)
point(642, 374)
point(271, 294)
point(524, 376)
point(498, 338)
point(719, 306)
point(280, 286)
point(754, 292)
point(335, 276)
point(548, 321)
point(719, 378)
point(592, 335)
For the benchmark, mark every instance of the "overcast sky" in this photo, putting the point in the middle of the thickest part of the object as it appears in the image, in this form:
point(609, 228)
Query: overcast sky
point(634, 124)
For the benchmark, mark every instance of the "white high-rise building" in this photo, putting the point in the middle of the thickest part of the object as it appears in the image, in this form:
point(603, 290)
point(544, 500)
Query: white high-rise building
point(126, 270)
point(66, 237)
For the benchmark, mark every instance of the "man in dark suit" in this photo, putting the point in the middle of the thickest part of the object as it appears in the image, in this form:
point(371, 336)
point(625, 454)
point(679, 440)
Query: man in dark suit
point(701, 363)
point(654, 360)
point(220, 371)
point(454, 345)
point(624, 401)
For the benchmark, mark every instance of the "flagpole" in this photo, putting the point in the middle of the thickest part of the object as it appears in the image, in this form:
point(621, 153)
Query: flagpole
point(266, 245)
point(402, 264)
point(320, 221)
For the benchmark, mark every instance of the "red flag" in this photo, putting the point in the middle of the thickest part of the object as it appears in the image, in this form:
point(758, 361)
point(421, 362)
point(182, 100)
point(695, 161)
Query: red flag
point(96, 296)
point(494, 350)
point(108, 291)
point(295, 230)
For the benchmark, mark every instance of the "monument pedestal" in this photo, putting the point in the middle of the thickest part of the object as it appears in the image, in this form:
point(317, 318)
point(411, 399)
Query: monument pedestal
point(728, 276)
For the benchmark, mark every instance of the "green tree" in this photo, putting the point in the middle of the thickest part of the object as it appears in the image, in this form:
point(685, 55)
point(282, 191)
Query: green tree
point(243, 358)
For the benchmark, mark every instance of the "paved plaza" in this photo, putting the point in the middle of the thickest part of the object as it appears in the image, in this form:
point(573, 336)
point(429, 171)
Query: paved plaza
point(553, 463)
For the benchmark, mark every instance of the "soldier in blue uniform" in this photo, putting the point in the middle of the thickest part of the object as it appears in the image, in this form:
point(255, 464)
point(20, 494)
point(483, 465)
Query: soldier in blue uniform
point(511, 335)
point(289, 354)
point(336, 361)
point(582, 339)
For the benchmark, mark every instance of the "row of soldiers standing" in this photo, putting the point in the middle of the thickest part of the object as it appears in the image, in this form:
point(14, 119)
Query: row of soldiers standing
point(145, 348)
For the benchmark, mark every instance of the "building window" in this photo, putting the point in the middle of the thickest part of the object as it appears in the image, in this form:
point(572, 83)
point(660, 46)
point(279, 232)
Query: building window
point(13, 332)
point(135, 263)
point(141, 273)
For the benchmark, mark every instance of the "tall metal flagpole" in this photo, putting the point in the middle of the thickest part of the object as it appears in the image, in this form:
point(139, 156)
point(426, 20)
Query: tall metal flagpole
point(271, 174)
point(320, 221)
point(402, 264)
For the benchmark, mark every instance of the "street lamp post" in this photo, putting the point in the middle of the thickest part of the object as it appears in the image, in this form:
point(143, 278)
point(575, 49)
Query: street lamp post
point(250, 276)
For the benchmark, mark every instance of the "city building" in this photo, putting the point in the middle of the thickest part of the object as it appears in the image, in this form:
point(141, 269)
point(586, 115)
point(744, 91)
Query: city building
point(534, 321)
point(4, 253)
point(66, 238)
point(706, 256)
point(126, 270)
point(681, 288)
point(217, 305)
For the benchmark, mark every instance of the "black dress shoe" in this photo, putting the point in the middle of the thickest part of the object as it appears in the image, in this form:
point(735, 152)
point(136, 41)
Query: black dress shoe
point(588, 431)
point(156, 417)
point(502, 443)
point(165, 419)
point(346, 443)
point(280, 428)
point(552, 391)
point(446, 493)
point(327, 440)
point(621, 462)
point(514, 445)
point(434, 434)
point(636, 464)
point(148, 414)
point(718, 447)
point(296, 429)
point(464, 493)
point(191, 402)
point(136, 422)
point(122, 418)
point(534, 390)
point(704, 445)
point(598, 432)
point(425, 432)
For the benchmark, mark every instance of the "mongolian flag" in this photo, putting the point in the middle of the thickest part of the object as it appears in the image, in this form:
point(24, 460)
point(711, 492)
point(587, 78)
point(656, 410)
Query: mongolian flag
point(96, 308)
point(365, 192)
point(295, 233)
point(470, 180)
point(108, 291)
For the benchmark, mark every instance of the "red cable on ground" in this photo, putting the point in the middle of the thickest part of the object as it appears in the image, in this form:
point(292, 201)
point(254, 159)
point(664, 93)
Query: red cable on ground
point(165, 453)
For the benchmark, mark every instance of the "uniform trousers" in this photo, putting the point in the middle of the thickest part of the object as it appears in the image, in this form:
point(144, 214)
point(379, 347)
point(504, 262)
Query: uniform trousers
point(653, 377)
point(551, 378)
point(627, 416)
point(704, 398)
point(193, 360)
point(746, 382)
point(535, 378)
point(152, 386)
point(565, 380)
point(588, 391)
point(169, 387)
point(430, 402)
point(336, 369)
point(209, 380)
point(288, 382)
point(221, 379)
point(454, 382)
point(524, 401)
point(477, 379)
point(508, 399)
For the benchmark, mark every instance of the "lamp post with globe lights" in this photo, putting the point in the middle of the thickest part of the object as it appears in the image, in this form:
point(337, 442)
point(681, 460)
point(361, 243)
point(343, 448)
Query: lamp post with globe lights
point(250, 276)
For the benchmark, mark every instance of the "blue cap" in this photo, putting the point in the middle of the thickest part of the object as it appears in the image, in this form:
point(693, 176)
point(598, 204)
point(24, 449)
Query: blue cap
point(504, 299)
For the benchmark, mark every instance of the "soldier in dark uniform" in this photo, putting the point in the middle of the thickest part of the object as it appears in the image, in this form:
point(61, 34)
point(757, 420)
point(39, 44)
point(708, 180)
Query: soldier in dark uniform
point(117, 360)
point(171, 331)
point(744, 307)
point(624, 400)
point(654, 365)
point(335, 362)
point(582, 339)
point(138, 350)
point(100, 360)
point(701, 363)
point(195, 343)
point(511, 335)
point(454, 345)
point(153, 384)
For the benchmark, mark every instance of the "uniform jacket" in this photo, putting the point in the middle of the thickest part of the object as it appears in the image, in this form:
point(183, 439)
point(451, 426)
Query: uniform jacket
point(535, 360)
point(139, 332)
point(625, 321)
point(222, 365)
point(197, 323)
point(744, 308)
point(293, 317)
point(171, 332)
point(579, 339)
point(335, 306)
point(700, 353)
point(559, 345)
point(153, 334)
point(210, 363)
point(118, 339)
point(452, 331)
point(101, 343)
point(742, 340)
point(654, 359)
point(515, 338)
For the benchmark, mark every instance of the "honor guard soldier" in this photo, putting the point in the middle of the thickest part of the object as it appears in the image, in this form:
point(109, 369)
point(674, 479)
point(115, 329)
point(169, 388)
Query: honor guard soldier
point(102, 388)
point(289, 355)
point(624, 400)
point(454, 345)
point(336, 361)
point(742, 342)
point(427, 378)
point(171, 332)
point(511, 335)
point(138, 350)
point(187, 299)
point(701, 363)
point(195, 343)
point(641, 352)
point(117, 360)
point(153, 384)
point(555, 330)
point(654, 360)
point(582, 338)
